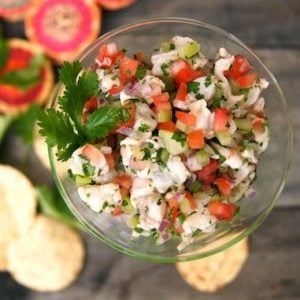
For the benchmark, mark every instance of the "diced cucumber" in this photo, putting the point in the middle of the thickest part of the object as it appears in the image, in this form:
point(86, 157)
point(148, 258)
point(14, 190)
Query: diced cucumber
point(189, 50)
point(202, 157)
point(164, 116)
point(162, 156)
point(224, 138)
point(133, 221)
point(81, 180)
point(185, 206)
point(195, 186)
point(127, 206)
point(243, 124)
point(167, 46)
point(170, 144)
point(181, 126)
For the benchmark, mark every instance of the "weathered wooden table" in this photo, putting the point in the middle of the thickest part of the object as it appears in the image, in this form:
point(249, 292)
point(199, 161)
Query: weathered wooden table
point(272, 29)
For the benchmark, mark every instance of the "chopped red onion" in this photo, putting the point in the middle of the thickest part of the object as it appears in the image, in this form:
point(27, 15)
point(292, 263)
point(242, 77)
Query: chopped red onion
point(179, 196)
point(163, 225)
point(166, 236)
point(125, 130)
point(250, 193)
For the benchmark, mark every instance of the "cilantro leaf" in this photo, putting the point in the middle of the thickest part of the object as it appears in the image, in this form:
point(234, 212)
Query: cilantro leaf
point(4, 52)
point(164, 67)
point(144, 127)
point(207, 81)
point(180, 137)
point(193, 86)
point(78, 90)
point(58, 130)
point(101, 121)
point(140, 72)
point(25, 78)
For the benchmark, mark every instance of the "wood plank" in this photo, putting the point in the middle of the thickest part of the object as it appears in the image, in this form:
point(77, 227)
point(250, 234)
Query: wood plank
point(271, 272)
point(258, 23)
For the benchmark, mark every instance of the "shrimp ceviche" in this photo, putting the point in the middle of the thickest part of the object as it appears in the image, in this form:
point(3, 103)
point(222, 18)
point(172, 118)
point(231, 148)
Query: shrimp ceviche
point(168, 143)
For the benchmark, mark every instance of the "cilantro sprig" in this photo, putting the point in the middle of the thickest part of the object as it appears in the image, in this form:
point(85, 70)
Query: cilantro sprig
point(64, 128)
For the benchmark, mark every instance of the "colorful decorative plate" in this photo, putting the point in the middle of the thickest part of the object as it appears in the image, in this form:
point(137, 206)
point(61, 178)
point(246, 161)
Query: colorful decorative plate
point(63, 27)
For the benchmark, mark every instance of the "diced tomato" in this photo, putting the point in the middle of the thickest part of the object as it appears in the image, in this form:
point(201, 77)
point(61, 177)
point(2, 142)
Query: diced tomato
point(162, 98)
point(91, 104)
point(208, 173)
point(124, 192)
point(110, 160)
point(116, 89)
point(162, 102)
point(187, 118)
point(141, 57)
point(169, 126)
point(221, 119)
point(117, 211)
point(182, 92)
point(187, 74)
point(173, 202)
point(128, 67)
point(240, 66)
point(221, 210)
point(196, 139)
point(182, 71)
point(131, 109)
point(124, 181)
point(175, 212)
point(107, 55)
point(192, 202)
point(224, 186)
point(245, 81)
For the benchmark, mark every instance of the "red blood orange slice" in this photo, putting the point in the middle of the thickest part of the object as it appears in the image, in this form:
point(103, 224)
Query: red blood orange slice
point(63, 27)
point(14, 10)
point(115, 4)
point(13, 99)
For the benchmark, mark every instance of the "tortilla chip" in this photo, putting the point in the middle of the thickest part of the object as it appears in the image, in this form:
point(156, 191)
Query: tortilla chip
point(48, 258)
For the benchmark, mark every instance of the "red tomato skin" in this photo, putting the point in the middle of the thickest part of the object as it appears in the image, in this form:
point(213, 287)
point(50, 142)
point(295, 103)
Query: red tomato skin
point(245, 81)
point(168, 126)
point(221, 119)
point(208, 173)
point(221, 210)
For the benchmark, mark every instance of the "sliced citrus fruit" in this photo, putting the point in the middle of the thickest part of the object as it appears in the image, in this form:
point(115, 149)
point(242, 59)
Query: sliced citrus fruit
point(14, 99)
point(63, 28)
point(14, 10)
point(115, 4)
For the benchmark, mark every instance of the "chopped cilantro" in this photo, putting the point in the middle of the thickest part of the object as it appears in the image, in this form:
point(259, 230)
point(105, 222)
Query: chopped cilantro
point(147, 154)
point(179, 137)
point(71, 174)
point(172, 46)
point(207, 81)
point(140, 72)
point(164, 68)
point(88, 169)
point(162, 156)
point(199, 96)
point(193, 86)
point(181, 218)
point(124, 202)
point(144, 127)
point(138, 230)
point(196, 232)
point(195, 186)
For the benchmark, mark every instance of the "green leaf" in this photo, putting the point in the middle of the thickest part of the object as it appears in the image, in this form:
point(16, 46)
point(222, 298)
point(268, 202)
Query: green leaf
point(140, 72)
point(58, 130)
point(3, 52)
point(101, 121)
point(78, 90)
point(5, 122)
point(52, 205)
point(24, 124)
point(25, 78)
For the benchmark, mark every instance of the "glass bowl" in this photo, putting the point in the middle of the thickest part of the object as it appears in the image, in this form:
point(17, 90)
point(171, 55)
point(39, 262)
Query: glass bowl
point(271, 170)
